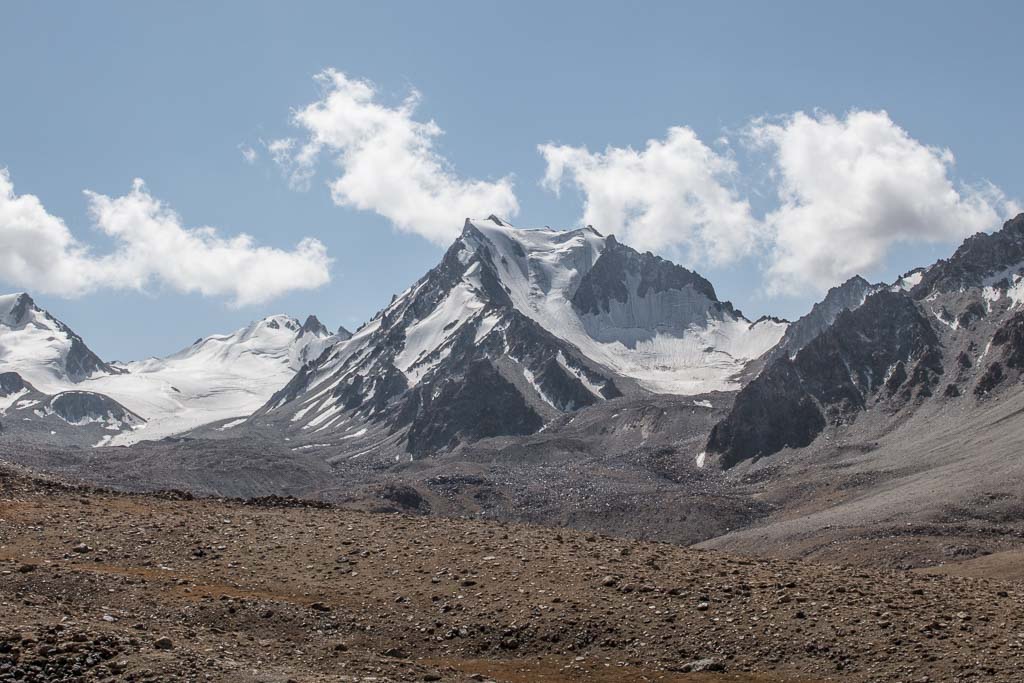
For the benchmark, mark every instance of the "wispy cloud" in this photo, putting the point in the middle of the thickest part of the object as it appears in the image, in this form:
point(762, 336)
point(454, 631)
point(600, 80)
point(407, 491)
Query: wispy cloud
point(249, 153)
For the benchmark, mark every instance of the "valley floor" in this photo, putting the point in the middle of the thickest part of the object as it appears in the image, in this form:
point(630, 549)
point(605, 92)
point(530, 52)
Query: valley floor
point(106, 586)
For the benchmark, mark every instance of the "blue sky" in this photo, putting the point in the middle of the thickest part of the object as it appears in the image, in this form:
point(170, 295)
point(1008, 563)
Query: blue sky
point(96, 95)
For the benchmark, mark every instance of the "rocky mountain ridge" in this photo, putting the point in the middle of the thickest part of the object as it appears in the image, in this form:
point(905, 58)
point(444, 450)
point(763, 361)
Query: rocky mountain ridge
point(949, 332)
point(513, 328)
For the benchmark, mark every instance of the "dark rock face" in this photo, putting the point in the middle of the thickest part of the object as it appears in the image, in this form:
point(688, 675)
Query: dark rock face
point(343, 334)
point(772, 412)
point(313, 326)
point(847, 296)
point(371, 394)
point(19, 313)
point(887, 342)
point(1008, 347)
point(11, 383)
point(1010, 339)
point(534, 347)
point(978, 257)
point(993, 376)
point(77, 407)
point(618, 264)
point(467, 398)
point(477, 404)
point(82, 363)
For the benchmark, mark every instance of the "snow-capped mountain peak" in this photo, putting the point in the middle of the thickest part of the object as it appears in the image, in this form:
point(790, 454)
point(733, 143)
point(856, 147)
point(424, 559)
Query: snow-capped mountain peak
point(217, 377)
point(14, 308)
point(528, 323)
point(636, 314)
point(314, 326)
point(41, 348)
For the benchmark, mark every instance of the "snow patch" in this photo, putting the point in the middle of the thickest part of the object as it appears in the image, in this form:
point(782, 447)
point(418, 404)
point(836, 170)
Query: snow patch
point(232, 424)
point(7, 401)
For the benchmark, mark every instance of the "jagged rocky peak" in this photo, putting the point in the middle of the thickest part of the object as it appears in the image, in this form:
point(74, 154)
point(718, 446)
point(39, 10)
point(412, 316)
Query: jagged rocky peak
point(621, 272)
point(343, 334)
point(847, 296)
point(909, 280)
point(276, 322)
point(315, 327)
point(983, 259)
point(886, 350)
point(15, 309)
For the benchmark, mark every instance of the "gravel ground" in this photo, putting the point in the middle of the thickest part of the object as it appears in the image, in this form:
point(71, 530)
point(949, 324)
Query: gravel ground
point(104, 586)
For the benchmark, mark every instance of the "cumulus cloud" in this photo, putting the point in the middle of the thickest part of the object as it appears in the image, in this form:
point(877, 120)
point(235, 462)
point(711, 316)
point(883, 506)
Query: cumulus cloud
point(388, 161)
point(673, 196)
point(851, 188)
point(38, 252)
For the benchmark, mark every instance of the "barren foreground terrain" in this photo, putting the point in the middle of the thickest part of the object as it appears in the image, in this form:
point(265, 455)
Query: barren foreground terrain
point(106, 586)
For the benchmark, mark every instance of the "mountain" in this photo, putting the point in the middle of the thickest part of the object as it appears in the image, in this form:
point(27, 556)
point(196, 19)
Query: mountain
point(217, 378)
point(42, 349)
point(513, 328)
point(42, 362)
point(847, 296)
point(950, 333)
point(52, 374)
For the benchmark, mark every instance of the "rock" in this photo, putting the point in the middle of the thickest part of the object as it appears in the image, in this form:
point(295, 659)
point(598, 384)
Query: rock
point(709, 665)
point(82, 548)
point(163, 643)
point(395, 652)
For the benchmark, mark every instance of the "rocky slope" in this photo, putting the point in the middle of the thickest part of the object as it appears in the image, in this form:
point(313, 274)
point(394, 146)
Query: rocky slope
point(98, 586)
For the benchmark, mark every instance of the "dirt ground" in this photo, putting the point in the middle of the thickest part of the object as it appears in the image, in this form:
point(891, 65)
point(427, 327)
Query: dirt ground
point(103, 586)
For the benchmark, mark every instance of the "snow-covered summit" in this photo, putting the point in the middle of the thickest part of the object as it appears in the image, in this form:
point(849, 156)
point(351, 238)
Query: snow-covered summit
point(41, 348)
point(218, 377)
point(515, 326)
point(637, 314)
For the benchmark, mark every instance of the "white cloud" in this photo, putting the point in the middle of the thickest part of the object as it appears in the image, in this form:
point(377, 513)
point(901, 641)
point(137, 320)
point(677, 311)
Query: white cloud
point(672, 196)
point(248, 153)
point(852, 188)
point(39, 253)
point(388, 161)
